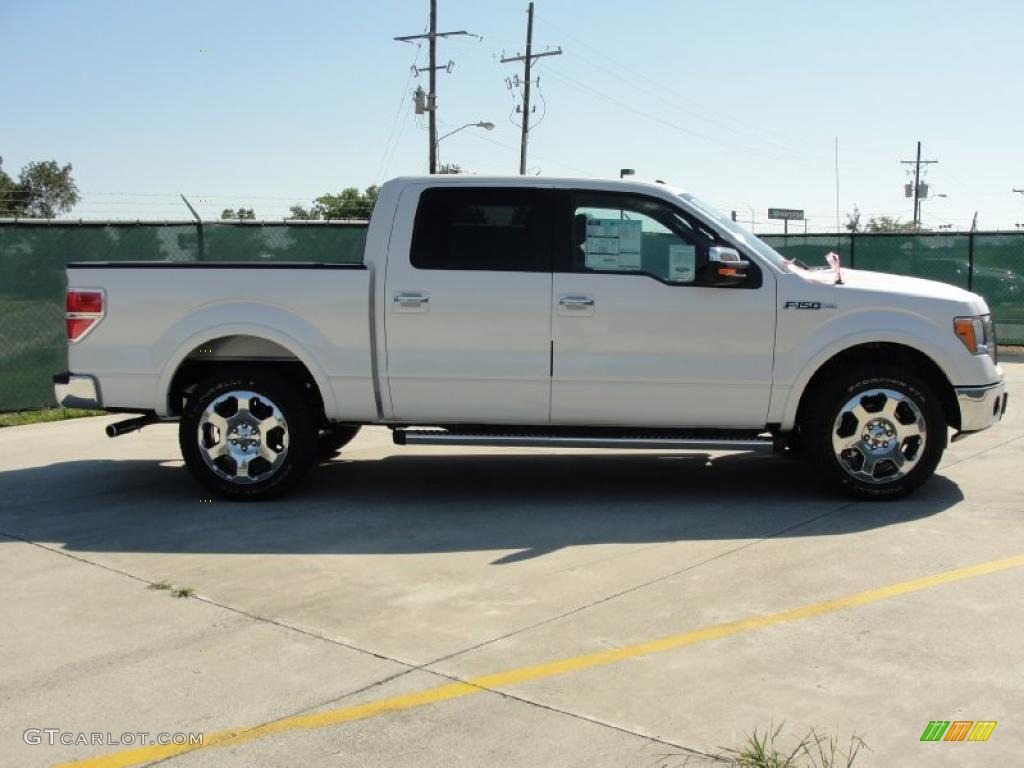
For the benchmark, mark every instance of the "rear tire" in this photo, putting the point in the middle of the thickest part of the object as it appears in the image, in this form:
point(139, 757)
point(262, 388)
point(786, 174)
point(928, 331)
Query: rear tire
point(876, 432)
point(247, 437)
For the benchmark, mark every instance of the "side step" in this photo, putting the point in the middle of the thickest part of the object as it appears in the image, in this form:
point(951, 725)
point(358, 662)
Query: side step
point(743, 441)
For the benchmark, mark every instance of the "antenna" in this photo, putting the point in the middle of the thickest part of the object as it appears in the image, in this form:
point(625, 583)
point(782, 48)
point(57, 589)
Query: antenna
point(838, 227)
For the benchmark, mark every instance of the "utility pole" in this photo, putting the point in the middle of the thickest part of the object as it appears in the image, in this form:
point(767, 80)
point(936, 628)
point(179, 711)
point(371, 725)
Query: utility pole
point(433, 89)
point(430, 105)
point(917, 182)
point(527, 63)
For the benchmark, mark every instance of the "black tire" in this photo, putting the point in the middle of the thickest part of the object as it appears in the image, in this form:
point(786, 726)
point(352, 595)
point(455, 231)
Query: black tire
point(332, 438)
point(879, 431)
point(292, 442)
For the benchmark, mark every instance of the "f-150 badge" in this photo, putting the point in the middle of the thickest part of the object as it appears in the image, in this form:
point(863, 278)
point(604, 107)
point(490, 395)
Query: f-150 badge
point(807, 305)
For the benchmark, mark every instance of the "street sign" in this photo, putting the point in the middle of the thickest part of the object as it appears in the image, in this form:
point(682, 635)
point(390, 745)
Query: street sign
point(786, 214)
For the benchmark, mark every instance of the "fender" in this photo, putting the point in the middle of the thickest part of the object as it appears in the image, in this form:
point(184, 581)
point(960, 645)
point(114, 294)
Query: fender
point(886, 326)
point(217, 320)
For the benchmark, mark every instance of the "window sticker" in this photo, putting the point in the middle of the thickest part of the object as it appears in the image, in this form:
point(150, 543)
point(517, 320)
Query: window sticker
point(613, 244)
point(682, 263)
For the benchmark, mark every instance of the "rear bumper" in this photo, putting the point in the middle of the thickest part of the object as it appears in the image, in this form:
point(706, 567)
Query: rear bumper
point(980, 407)
point(76, 391)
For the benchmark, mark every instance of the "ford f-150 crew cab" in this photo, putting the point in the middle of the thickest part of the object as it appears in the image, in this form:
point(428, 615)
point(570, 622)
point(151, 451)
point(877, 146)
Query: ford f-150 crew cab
point(548, 312)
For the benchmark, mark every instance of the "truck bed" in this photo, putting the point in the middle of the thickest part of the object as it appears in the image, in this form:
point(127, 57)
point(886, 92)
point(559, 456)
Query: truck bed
point(157, 314)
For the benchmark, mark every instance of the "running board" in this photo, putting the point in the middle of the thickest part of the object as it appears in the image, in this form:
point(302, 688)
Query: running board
point(639, 441)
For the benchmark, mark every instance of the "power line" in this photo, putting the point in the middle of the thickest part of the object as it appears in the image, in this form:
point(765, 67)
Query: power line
point(527, 60)
point(587, 90)
point(659, 91)
point(496, 142)
point(789, 154)
point(414, 70)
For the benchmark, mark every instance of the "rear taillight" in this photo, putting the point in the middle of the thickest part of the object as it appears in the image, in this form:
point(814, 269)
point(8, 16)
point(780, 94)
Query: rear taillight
point(85, 309)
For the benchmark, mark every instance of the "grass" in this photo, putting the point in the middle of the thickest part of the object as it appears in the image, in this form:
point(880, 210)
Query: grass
point(815, 750)
point(20, 418)
point(166, 586)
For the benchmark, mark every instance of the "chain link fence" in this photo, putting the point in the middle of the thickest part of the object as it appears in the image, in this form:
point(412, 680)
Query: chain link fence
point(32, 279)
point(33, 256)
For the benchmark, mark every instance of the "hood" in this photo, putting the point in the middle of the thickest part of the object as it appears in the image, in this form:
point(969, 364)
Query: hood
point(884, 282)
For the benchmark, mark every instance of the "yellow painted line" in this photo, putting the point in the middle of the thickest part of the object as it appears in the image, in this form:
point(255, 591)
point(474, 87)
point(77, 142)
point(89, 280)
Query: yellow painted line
point(483, 683)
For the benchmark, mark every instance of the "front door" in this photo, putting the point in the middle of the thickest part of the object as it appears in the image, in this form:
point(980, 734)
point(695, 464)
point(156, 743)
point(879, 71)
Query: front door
point(638, 339)
point(468, 320)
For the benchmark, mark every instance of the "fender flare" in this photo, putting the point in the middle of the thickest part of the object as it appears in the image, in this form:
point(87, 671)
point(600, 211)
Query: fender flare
point(184, 348)
point(798, 387)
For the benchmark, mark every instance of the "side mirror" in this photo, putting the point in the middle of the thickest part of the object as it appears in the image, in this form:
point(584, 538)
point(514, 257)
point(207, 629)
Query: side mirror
point(726, 267)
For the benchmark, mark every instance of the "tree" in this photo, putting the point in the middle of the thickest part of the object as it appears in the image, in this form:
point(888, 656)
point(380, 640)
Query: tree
point(853, 220)
point(347, 204)
point(303, 214)
point(45, 190)
point(241, 214)
point(891, 224)
point(350, 203)
point(10, 197)
point(450, 168)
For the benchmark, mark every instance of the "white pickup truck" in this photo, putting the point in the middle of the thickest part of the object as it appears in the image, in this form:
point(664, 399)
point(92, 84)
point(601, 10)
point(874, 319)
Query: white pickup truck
point(536, 312)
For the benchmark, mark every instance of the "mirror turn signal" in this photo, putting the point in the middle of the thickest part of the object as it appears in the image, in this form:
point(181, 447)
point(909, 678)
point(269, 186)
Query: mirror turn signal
point(726, 267)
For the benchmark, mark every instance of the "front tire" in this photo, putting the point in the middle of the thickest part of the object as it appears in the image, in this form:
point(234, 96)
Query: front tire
point(876, 432)
point(247, 437)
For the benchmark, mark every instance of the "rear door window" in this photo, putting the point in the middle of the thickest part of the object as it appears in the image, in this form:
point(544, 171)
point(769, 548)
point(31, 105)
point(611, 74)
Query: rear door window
point(484, 228)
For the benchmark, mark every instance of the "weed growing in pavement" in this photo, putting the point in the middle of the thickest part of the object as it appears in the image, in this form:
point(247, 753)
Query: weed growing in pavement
point(815, 750)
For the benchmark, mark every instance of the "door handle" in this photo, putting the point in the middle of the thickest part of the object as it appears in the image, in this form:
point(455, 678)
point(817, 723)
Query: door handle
point(411, 301)
point(576, 302)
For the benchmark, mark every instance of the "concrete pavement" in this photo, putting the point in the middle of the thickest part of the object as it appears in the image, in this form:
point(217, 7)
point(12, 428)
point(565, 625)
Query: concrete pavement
point(397, 570)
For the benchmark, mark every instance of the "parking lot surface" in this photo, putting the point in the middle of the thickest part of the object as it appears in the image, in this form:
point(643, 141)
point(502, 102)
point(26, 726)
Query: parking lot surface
point(514, 607)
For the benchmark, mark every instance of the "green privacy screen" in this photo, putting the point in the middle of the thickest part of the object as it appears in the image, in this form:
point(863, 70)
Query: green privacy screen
point(998, 275)
point(33, 255)
point(991, 264)
point(32, 281)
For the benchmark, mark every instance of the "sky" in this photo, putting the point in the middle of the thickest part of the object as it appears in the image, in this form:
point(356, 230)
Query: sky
point(267, 104)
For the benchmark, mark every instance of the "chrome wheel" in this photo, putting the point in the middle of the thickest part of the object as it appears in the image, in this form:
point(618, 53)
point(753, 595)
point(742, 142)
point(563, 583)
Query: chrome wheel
point(243, 437)
point(879, 436)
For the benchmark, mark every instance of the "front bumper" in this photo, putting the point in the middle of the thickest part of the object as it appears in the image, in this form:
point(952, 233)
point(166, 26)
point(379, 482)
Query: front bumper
point(76, 391)
point(980, 407)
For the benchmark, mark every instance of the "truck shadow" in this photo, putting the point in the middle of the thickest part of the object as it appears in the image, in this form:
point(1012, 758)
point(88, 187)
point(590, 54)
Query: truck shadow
point(532, 504)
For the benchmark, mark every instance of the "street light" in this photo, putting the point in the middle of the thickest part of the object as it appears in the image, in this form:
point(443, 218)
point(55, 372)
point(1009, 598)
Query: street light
point(487, 126)
point(623, 172)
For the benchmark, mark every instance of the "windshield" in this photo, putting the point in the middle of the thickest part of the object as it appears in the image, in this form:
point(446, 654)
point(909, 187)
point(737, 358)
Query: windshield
point(738, 231)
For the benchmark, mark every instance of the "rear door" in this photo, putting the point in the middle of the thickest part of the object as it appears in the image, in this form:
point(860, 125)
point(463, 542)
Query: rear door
point(468, 321)
point(638, 339)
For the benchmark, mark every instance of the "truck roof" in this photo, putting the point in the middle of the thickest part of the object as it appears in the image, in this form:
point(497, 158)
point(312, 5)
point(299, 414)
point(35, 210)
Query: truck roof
point(535, 181)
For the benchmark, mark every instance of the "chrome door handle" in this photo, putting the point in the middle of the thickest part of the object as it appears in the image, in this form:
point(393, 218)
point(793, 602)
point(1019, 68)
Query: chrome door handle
point(576, 302)
point(411, 301)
